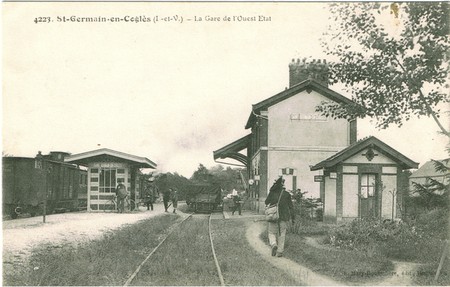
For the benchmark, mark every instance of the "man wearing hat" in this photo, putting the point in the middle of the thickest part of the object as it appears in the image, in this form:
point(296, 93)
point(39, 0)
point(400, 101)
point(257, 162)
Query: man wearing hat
point(151, 193)
point(277, 230)
point(167, 195)
point(237, 202)
point(121, 194)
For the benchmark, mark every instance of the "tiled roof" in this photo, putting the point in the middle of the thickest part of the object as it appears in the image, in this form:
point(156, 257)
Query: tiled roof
point(84, 158)
point(307, 84)
point(428, 169)
point(362, 144)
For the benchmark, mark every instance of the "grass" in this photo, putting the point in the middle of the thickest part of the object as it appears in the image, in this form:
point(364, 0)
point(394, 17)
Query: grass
point(187, 258)
point(343, 265)
point(426, 273)
point(240, 264)
point(106, 261)
point(184, 259)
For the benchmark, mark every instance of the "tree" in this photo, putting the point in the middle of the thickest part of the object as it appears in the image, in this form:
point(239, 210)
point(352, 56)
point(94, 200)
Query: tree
point(202, 174)
point(227, 178)
point(394, 70)
point(433, 193)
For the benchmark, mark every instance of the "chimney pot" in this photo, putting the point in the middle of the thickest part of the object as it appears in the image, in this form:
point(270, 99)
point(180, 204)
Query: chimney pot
point(308, 68)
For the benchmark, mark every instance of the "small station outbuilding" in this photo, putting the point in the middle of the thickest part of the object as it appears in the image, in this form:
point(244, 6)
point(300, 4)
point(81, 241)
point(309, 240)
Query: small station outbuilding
point(362, 180)
point(107, 168)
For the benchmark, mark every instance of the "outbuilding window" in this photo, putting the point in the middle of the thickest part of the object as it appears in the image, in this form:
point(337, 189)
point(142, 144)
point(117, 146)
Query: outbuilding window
point(107, 182)
point(368, 185)
point(368, 205)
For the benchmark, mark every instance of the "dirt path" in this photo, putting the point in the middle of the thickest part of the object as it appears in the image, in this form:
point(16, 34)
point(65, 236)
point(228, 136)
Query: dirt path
point(301, 274)
point(402, 275)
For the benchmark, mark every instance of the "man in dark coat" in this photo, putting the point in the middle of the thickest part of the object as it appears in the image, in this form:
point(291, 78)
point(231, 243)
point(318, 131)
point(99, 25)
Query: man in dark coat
point(277, 230)
point(167, 193)
point(175, 200)
point(237, 202)
point(121, 194)
point(151, 194)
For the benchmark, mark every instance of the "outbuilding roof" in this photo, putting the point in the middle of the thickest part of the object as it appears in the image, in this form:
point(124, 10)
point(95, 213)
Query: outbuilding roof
point(428, 169)
point(109, 155)
point(360, 145)
point(309, 84)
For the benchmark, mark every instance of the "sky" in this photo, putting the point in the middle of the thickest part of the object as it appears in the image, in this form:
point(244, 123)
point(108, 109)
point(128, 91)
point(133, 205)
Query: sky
point(170, 91)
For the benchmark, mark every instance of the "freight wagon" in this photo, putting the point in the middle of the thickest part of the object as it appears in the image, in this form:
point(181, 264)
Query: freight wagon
point(204, 198)
point(30, 184)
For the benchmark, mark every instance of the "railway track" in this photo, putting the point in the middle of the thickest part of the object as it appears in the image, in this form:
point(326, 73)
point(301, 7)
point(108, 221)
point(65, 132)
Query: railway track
point(130, 280)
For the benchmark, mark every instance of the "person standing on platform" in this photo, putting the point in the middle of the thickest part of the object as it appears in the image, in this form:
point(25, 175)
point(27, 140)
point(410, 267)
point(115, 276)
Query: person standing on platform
point(151, 194)
point(175, 200)
point(121, 194)
point(237, 202)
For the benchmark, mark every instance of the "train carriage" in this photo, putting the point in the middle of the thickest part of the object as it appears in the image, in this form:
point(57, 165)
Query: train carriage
point(31, 183)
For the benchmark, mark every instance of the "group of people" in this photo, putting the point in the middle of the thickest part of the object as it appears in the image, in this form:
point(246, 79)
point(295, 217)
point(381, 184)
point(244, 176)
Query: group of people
point(151, 194)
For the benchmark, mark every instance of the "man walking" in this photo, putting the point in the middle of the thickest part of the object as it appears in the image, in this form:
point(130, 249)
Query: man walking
point(277, 230)
point(166, 198)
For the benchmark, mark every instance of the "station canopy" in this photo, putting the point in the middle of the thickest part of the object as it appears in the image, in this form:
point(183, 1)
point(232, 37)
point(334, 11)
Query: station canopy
point(108, 155)
point(232, 150)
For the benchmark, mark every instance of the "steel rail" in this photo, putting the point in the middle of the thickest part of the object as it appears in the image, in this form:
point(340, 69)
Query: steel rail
point(222, 282)
point(130, 279)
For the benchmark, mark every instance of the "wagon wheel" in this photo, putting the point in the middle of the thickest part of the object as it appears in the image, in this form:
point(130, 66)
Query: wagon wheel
point(130, 205)
point(107, 207)
point(15, 211)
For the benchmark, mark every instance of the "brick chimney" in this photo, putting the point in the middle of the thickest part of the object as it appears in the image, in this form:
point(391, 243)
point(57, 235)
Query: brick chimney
point(301, 70)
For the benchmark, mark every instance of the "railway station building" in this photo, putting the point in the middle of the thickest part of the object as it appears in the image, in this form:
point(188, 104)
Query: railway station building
point(106, 169)
point(287, 137)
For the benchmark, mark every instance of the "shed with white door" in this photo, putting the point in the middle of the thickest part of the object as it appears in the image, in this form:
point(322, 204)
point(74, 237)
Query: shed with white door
point(362, 180)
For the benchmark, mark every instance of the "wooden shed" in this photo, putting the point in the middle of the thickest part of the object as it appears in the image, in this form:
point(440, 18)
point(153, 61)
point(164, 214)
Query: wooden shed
point(107, 168)
point(361, 181)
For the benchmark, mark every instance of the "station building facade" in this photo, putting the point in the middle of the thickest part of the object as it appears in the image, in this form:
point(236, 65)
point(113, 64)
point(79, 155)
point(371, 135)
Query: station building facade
point(287, 135)
point(106, 168)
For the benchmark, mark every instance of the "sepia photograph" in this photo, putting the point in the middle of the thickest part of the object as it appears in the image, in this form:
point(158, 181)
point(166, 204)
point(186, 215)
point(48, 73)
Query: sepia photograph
point(225, 143)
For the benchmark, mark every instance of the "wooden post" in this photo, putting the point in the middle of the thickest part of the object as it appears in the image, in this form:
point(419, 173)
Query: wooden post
point(393, 204)
point(45, 210)
point(444, 255)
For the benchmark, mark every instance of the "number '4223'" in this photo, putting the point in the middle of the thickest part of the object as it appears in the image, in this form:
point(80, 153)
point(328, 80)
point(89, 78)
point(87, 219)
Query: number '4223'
point(42, 20)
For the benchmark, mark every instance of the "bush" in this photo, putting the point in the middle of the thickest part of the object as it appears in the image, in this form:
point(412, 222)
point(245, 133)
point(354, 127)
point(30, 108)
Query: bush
point(308, 227)
point(418, 240)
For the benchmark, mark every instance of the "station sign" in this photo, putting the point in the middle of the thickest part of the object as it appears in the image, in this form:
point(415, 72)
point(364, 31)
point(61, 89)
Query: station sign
point(318, 178)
